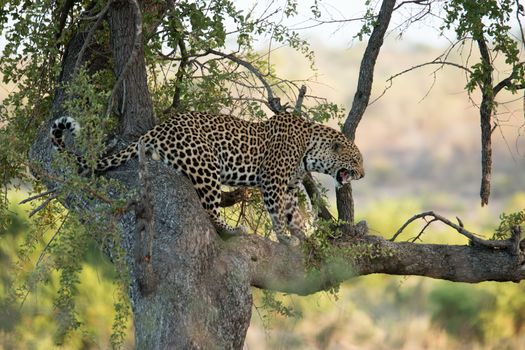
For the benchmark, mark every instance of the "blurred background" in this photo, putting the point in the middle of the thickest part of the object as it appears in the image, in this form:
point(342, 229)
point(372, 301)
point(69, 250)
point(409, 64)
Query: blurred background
point(421, 145)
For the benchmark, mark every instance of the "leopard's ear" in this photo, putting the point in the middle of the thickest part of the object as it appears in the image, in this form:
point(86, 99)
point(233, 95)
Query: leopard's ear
point(337, 147)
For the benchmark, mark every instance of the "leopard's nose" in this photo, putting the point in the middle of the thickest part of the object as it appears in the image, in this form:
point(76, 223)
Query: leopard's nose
point(356, 175)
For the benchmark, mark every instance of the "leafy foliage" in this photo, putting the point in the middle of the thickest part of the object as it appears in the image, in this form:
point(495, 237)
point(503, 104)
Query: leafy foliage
point(487, 20)
point(508, 221)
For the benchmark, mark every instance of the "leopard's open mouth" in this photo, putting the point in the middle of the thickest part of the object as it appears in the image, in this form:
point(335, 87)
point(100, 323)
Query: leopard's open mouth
point(343, 176)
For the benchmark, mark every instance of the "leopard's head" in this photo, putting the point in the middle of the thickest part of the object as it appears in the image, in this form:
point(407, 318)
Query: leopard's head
point(336, 155)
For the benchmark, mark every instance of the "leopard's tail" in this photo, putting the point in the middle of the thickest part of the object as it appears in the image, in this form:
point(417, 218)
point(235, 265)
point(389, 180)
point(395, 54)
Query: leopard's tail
point(57, 131)
point(64, 124)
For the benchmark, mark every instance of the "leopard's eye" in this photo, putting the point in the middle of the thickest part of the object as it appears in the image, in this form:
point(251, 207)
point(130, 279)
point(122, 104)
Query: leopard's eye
point(337, 147)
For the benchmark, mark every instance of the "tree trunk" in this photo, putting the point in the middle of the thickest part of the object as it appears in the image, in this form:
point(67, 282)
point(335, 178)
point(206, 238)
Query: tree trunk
point(198, 297)
point(133, 105)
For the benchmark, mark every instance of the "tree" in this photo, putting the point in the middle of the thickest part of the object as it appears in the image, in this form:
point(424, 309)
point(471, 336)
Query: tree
point(104, 62)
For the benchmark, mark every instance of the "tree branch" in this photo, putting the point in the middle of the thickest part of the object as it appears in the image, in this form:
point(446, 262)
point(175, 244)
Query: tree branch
point(39, 195)
point(436, 62)
point(99, 17)
point(508, 81)
point(274, 103)
point(485, 112)
point(300, 99)
point(64, 12)
point(345, 202)
point(231, 198)
point(471, 236)
point(282, 268)
point(366, 71)
point(181, 72)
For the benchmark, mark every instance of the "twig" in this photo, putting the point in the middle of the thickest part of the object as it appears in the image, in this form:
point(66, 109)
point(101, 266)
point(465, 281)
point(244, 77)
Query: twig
point(442, 63)
point(132, 56)
point(417, 2)
point(43, 205)
point(32, 198)
point(423, 230)
point(274, 103)
point(99, 17)
point(300, 99)
point(471, 236)
point(41, 256)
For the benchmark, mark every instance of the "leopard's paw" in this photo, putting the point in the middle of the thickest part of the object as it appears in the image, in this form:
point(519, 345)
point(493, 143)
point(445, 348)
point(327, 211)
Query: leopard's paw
point(288, 240)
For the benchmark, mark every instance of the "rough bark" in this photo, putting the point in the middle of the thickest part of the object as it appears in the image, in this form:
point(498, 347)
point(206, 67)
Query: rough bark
point(281, 268)
point(485, 112)
point(198, 297)
point(133, 104)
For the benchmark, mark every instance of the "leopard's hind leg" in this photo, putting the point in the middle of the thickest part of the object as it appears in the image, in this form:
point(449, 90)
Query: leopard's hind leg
point(204, 172)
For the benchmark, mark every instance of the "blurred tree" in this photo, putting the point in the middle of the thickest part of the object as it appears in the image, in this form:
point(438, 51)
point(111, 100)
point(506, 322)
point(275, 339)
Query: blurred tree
point(116, 65)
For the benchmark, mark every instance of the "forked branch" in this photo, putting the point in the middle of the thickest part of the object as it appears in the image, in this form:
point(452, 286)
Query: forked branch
point(458, 227)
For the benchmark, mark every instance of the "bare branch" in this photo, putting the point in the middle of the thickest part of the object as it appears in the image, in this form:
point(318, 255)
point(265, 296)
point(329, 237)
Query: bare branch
point(32, 198)
point(485, 111)
point(274, 103)
point(417, 2)
point(508, 81)
point(41, 256)
point(300, 98)
point(345, 202)
point(435, 62)
point(99, 17)
point(418, 236)
point(43, 205)
point(278, 267)
point(471, 236)
point(366, 71)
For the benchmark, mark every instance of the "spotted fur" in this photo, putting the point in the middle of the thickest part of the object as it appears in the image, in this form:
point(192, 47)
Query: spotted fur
point(211, 150)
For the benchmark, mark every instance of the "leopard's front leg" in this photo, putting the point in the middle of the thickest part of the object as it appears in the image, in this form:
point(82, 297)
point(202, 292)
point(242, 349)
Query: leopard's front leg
point(294, 219)
point(274, 196)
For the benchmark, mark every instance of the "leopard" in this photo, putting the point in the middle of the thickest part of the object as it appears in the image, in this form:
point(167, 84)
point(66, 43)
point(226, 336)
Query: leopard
point(219, 149)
